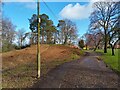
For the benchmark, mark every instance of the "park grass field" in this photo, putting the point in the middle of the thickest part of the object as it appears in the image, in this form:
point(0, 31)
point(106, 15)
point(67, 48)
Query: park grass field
point(112, 61)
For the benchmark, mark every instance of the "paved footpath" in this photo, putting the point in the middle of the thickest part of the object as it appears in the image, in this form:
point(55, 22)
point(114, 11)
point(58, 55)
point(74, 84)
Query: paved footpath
point(88, 72)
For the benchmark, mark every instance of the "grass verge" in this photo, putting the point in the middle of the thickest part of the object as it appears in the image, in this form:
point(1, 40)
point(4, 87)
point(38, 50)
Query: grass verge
point(111, 61)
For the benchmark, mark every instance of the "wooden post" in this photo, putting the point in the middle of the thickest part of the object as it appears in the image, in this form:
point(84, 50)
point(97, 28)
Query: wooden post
point(38, 43)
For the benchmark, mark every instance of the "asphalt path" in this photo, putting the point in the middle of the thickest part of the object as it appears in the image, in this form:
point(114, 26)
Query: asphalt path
point(87, 72)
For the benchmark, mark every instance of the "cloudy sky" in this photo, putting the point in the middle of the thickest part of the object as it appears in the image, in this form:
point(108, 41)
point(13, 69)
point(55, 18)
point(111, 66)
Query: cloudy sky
point(78, 12)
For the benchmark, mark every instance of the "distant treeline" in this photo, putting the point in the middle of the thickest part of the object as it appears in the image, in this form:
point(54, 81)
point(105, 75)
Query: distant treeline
point(64, 33)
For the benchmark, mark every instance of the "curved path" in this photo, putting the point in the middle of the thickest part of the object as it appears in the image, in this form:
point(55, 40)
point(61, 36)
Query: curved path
point(88, 72)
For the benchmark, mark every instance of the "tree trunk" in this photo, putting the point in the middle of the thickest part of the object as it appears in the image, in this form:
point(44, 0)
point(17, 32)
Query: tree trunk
point(86, 47)
point(105, 45)
point(32, 38)
point(54, 42)
point(21, 42)
point(95, 48)
point(62, 40)
point(112, 47)
point(65, 42)
point(48, 38)
point(42, 39)
point(105, 48)
point(42, 36)
point(113, 51)
point(55, 37)
point(97, 45)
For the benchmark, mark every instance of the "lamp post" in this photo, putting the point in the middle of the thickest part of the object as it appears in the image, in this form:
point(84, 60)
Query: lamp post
point(38, 43)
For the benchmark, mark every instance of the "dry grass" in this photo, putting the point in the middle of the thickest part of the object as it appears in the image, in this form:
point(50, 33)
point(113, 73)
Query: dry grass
point(20, 67)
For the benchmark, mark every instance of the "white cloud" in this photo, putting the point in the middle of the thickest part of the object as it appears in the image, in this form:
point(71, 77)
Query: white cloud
point(76, 11)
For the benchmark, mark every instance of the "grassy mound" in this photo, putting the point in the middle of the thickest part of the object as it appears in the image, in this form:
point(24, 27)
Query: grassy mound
point(19, 67)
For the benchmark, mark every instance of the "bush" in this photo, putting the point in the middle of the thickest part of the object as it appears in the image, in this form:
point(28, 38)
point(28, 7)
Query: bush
point(6, 46)
point(81, 44)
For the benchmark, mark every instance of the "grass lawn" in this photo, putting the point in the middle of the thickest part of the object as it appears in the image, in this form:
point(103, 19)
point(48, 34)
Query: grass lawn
point(111, 61)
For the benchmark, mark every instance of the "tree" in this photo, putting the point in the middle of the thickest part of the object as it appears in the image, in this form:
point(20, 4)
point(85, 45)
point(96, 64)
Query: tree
point(96, 33)
point(89, 40)
point(50, 31)
point(47, 29)
point(21, 36)
point(68, 31)
point(44, 19)
point(81, 43)
point(114, 35)
point(93, 39)
point(98, 37)
point(105, 14)
point(33, 28)
point(8, 34)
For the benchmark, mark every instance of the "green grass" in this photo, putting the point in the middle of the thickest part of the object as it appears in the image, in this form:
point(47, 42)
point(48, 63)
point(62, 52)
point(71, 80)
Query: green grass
point(111, 61)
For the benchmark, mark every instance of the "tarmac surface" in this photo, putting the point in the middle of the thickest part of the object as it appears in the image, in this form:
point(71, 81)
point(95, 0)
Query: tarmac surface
point(87, 72)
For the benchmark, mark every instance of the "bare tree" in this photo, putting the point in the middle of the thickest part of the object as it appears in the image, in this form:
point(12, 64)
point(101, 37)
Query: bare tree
point(21, 36)
point(68, 31)
point(96, 34)
point(105, 14)
point(8, 34)
point(114, 35)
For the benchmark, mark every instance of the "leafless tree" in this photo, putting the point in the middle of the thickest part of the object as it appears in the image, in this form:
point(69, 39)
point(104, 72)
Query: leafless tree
point(68, 31)
point(21, 36)
point(8, 33)
point(105, 14)
point(96, 34)
point(114, 35)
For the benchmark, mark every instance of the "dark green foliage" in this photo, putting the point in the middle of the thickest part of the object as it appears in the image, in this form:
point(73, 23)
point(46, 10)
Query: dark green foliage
point(49, 33)
point(33, 28)
point(81, 43)
point(47, 29)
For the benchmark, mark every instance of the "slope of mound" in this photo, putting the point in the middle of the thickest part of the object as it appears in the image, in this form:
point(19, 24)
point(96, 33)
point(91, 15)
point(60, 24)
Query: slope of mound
point(19, 67)
point(48, 53)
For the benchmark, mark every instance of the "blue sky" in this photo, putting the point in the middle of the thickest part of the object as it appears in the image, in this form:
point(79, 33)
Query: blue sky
point(78, 12)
